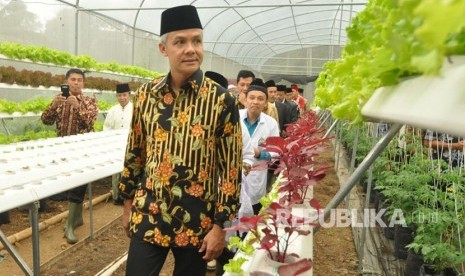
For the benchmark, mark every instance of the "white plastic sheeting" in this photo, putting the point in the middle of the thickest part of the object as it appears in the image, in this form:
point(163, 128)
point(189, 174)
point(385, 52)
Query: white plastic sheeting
point(255, 34)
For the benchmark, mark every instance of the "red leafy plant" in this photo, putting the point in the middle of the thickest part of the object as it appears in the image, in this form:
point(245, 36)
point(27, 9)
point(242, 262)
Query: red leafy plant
point(297, 154)
point(273, 230)
point(275, 227)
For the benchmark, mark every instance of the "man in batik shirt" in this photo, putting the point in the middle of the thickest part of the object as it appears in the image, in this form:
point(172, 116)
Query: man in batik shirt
point(73, 115)
point(182, 168)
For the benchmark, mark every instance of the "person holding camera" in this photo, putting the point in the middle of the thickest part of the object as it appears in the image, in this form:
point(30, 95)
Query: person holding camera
point(73, 113)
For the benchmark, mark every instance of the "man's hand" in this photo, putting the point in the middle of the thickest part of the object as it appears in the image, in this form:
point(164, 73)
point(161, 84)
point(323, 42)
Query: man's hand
point(246, 168)
point(72, 100)
point(127, 216)
point(58, 100)
point(213, 243)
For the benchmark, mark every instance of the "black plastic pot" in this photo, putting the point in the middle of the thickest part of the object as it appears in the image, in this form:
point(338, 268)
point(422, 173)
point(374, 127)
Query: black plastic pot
point(373, 195)
point(429, 270)
point(364, 184)
point(387, 231)
point(413, 264)
point(450, 272)
point(380, 198)
point(402, 237)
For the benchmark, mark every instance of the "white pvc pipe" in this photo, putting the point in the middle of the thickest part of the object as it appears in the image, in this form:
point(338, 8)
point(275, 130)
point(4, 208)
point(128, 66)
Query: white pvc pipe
point(113, 266)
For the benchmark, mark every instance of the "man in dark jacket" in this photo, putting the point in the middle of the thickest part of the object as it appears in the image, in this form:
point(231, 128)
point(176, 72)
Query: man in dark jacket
point(293, 108)
point(284, 112)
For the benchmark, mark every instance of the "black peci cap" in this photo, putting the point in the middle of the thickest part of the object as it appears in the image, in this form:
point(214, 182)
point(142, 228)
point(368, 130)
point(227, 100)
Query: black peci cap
point(281, 87)
point(218, 78)
point(179, 18)
point(258, 85)
point(122, 88)
point(270, 83)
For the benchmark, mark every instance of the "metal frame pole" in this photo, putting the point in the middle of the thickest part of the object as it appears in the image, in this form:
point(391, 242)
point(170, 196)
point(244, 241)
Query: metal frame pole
point(91, 215)
point(5, 127)
point(15, 255)
point(34, 216)
point(338, 146)
point(325, 116)
point(331, 128)
point(352, 164)
point(354, 151)
point(362, 168)
point(367, 203)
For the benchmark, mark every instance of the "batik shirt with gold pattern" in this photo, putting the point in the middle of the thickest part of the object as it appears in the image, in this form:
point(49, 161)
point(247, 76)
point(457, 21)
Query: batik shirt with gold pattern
point(182, 165)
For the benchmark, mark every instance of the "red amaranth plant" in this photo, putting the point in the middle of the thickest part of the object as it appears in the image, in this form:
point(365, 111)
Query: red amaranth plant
point(275, 227)
point(297, 157)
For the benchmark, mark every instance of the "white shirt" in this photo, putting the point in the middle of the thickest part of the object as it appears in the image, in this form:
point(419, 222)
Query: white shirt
point(118, 117)
point(255, 181)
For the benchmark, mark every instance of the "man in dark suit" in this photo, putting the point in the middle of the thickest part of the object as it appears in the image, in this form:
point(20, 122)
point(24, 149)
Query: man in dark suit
point(283, 110)
point(293, 108)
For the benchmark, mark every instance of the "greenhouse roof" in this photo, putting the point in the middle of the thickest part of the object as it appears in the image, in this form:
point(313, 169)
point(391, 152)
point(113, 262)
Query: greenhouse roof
point(250, 32)
point(274, 38)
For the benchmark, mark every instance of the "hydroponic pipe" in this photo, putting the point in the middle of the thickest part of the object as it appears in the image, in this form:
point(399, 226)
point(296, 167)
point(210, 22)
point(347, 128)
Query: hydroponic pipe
point(331, 128)
point(361, 169)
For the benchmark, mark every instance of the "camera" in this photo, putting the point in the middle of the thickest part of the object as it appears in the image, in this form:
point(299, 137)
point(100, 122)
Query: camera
point(65, 90)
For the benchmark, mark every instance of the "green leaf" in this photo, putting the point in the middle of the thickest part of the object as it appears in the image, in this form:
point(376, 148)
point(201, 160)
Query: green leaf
point(197, 119)
point(174, 122)
point(186, 218)
point(176, 191)
point(234, 265)
point(197, 144)
point(167, 217)
point(178, 137)
point(176, 160)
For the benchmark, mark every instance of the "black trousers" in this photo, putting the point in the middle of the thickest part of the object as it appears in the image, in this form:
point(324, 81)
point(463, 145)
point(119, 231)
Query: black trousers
point(145, 259)
point(222, 260)
point(76, 195)
point(256, 208)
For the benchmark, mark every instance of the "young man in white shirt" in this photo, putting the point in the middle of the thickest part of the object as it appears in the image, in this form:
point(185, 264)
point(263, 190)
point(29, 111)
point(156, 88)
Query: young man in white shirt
point(256, 128)
point(119, 117)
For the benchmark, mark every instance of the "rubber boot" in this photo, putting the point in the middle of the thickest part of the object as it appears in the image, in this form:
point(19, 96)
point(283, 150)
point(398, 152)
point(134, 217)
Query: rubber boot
point(79, 220)
point(71, 222)
point(115, 179)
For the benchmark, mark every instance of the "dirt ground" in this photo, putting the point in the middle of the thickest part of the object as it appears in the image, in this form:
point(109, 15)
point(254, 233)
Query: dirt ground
point(334, 251)
point(333, 248)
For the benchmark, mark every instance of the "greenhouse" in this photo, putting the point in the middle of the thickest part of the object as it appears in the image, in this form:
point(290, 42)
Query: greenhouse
point(339, 149)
